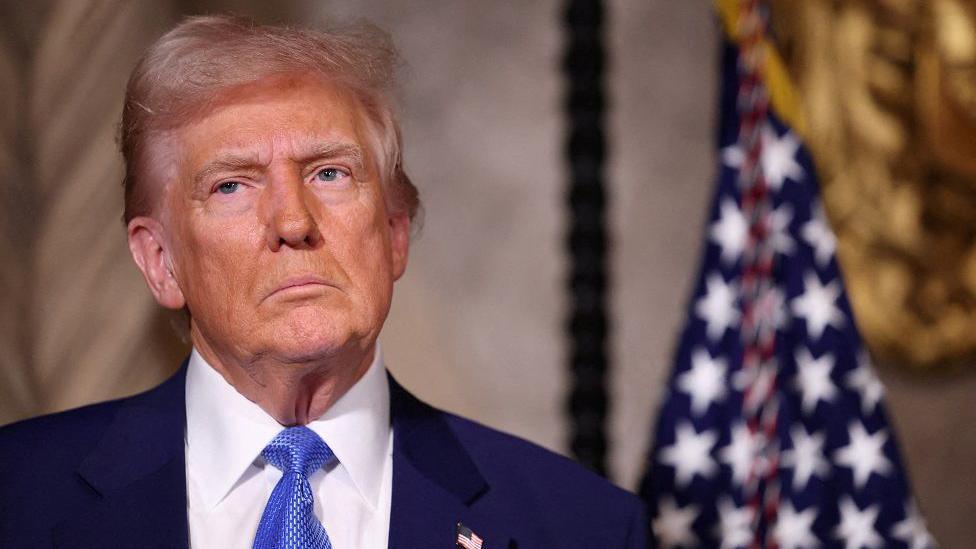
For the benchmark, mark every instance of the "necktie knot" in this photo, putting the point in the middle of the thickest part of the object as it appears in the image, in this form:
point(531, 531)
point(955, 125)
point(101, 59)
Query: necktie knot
point(289, 520)
point(297, 450)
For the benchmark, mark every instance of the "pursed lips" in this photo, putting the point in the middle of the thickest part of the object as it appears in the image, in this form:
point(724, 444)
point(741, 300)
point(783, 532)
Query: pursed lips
point(297, 282)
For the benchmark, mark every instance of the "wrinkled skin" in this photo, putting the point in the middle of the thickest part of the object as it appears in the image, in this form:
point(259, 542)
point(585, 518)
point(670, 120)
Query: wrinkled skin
point(273, 230)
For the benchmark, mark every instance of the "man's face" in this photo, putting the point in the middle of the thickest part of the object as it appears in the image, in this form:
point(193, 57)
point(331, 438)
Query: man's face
point(275, 225)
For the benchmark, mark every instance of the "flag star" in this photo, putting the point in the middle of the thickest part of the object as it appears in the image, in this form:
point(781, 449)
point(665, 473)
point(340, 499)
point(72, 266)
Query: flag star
point(863, 380)
point(813, 379)
point(735, 524)
point(741, 453)
point(718, 307)
point(704, 382)
point(817, 305)
point(778, 157)
point(779, 229)
point(806, 457)
point(689, 455)
point(732, 156)
point(817, 233)
point(730, 231)
point(856, 528)
point(864, 454)
point(672, 525)
point(912, 530)
point(794, 530)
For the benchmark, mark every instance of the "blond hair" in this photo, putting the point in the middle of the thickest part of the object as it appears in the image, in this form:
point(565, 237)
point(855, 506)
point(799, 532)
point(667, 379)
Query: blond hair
point(185, 70)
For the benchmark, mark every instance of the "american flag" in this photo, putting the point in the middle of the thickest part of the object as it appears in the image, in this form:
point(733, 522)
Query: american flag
point(772, 431)
point(468, 539)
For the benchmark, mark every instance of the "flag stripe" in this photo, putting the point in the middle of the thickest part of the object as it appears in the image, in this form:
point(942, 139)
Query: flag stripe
point(467, 538)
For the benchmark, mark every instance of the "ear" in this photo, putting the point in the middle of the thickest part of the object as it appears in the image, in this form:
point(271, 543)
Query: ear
point(399, 242)
point(146, 244)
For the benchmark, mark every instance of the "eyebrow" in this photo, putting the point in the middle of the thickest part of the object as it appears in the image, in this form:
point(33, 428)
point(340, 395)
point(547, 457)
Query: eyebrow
point(321, 151)
point(223, 163)
point(335, 150)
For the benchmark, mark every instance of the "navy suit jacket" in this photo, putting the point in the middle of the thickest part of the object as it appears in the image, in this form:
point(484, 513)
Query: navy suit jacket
point(113, 475)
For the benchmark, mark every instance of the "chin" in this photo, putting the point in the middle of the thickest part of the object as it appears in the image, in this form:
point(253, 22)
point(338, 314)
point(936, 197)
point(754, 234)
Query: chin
point(320, 337)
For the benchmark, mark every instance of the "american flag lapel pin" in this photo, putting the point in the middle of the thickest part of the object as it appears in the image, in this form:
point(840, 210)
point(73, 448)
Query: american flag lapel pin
point(468, 539)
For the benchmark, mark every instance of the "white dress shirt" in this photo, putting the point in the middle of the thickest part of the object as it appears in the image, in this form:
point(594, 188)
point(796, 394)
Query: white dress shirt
point(228, 482)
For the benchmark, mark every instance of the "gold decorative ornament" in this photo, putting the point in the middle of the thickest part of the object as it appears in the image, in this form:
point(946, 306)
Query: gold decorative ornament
point(888, 94)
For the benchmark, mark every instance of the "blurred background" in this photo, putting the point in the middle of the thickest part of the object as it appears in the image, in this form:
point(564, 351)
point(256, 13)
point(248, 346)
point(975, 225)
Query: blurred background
point(478, 322)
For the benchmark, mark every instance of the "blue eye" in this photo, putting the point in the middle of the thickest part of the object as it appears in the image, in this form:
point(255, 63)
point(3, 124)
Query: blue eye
point(229, 187)
point(329, 174)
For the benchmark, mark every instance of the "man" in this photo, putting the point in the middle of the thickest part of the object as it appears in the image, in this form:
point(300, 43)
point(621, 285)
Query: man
point(265, 197)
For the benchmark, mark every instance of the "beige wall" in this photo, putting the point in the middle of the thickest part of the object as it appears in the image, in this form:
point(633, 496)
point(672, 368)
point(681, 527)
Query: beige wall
point(77, 322)
point(477, 321)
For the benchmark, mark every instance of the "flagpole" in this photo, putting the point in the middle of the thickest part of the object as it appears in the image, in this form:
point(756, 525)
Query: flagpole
point(758, 333)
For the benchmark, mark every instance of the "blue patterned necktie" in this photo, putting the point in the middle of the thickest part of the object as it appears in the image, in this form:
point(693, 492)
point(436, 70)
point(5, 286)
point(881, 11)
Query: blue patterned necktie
point(289, 518)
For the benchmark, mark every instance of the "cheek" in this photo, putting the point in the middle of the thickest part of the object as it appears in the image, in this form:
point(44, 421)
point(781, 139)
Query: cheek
point(360, 243)
point(365, 240)
point(218, 268)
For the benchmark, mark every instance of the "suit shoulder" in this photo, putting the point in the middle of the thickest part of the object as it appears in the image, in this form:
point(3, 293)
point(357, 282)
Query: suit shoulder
point(43, 460)
point(79, 429)
point(75, 430)
point(39, 459)
point(529, 467)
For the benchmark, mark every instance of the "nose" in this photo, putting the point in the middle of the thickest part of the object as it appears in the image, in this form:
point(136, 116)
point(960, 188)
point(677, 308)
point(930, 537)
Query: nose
point(290, 221)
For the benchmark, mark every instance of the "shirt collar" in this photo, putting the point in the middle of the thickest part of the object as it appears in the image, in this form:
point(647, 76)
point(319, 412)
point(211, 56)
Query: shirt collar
point(226, 432)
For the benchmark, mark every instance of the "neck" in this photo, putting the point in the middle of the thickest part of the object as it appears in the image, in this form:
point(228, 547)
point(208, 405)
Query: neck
point(293, 393)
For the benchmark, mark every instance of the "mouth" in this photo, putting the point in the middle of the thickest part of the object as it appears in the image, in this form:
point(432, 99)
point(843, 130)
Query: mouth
point(299, 285)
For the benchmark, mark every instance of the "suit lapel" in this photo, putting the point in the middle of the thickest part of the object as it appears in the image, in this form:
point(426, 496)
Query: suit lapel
point(436, 485)
point(138, 470)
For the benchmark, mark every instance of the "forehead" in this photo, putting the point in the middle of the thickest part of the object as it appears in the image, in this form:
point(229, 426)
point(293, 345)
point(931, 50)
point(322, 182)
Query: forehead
point(275, 115)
